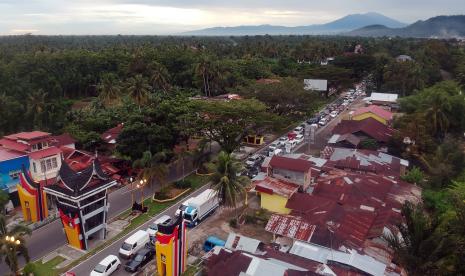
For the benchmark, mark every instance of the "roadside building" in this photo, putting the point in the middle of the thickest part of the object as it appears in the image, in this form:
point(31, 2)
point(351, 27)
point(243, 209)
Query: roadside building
point(11, 163)
point(82, 202)
point(364, 161)
point(316, 85)
point(110, 136)
point(383, 99)
point(297, 171)
point(274, 194)
point(375, 112)
point(363, 130)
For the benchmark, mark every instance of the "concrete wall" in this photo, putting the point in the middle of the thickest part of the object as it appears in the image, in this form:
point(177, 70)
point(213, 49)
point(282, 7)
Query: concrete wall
point(274, 203)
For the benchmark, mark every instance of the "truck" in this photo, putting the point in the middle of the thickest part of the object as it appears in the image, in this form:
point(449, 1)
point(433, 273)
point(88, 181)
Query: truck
point(183, 206)
point(200, 207)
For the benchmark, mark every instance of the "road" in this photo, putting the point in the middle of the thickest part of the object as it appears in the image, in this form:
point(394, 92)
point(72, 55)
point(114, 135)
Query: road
point(51, 236)
point(86, 266)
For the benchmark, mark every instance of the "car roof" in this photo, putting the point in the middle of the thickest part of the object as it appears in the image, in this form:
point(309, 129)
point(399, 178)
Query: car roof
point(162, 219)
point(143, 251)
point(108, 259)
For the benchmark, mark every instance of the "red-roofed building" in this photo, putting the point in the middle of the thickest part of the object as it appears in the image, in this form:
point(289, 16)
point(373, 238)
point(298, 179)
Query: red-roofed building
point(375, 112)
point(274, 193)
point(368, 128)
point(293, 170)
point(44, 157)
point(290, 226)
point(64, 140)
point(112, 134)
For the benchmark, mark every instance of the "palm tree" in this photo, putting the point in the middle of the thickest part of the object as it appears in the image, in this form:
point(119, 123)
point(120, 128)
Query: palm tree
point(437, 111)
point(227, 181)
point(9, 249)
point(138, 89)
point(109, 90)
point(36, 105)
point(159, 76)
point(202, 68)
point(420, 246)
point(153, 168)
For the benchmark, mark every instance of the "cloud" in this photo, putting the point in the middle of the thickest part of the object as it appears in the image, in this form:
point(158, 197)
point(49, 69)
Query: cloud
point(172, 16)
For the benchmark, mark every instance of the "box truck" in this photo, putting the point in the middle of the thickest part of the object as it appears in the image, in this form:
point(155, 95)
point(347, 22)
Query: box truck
point(201, 206)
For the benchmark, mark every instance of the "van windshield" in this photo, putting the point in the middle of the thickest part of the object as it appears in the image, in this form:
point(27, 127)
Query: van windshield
point(153, 226)
point(126, 246)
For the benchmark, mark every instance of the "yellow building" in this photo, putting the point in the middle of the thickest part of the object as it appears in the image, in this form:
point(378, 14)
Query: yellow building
point(274, 194)
point(255, 140)
point(32, 198)
point(375, 112)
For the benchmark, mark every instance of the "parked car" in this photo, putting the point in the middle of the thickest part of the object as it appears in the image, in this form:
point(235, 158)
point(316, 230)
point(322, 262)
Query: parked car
point(253, 160)
point(211, 242)
point(140, 259)
point(106, 266)
point(153, 228)
point(273, 146)
point(299, 130)
point(299, 139)
point(333, 114)
point(313, 120)
point(322, 122)
point(282, 141)
point(275, 152)
point(135, 242)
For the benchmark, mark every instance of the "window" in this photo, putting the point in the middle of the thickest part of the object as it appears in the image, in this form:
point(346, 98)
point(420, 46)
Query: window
point(54, 163)
point(49, 164)
point(42, 166)
point(14, 174)
point(34, 166)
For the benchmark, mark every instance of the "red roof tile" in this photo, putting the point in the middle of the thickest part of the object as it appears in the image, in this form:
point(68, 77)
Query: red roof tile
point(369, 127)
point(32, 135)
point(13, 145)
point(291, 164)
point(383, 113)
point(63, 140)
point(44, 153)
point(112, 133)
point(271, 185)
point(290, 226)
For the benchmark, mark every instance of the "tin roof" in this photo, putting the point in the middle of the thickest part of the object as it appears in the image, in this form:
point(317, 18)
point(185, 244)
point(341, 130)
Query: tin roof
point(13, 145)
point(63, 140)
point(239, 242)
point(44, 153)
point(384, 97)
point(7, 154)
point(271, 185)
point(27, 136)
point(291, 164)
point(383, 113)
point(369, 127)
point(112, 134)
point(290, 226)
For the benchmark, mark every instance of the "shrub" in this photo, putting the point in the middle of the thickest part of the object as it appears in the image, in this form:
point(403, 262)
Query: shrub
point(29, 269)
point(183, 184)
point(162, 194)
point(249, 219)
point(415, 175)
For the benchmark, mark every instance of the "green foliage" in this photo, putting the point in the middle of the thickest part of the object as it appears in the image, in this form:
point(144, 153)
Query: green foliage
point(183, 184)
point(370, 144)
point(414, 176)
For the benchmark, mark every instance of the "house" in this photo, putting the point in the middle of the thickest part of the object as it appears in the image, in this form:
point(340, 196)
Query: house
point(403, 58)
point(363, 130)
point(64, 140)
point(383, 99)
point(297, 171)
point(347, 140)
point(44, 158)
point(11, 163)
point(373, 111)
point(364, 161)
point(110, 136)
point(274, 193)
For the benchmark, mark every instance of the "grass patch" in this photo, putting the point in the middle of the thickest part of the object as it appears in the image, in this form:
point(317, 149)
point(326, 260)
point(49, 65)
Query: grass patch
point(46, 269)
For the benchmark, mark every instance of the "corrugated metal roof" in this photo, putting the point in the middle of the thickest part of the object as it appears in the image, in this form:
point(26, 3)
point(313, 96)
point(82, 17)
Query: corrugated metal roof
point(384, 97)
point(275, 186)
point(362, 262)
point(383, 113)
point(290, 226)
point(239, 242)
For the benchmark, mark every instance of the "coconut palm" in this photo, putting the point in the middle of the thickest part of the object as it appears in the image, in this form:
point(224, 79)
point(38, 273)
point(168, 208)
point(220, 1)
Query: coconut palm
point(227, 180)
point(153, 168)
point(202, 68)
point(159, 76)
point(138, 89)
point(437, 112)
point(109, 90)
point(36, 104)
point(9, 249)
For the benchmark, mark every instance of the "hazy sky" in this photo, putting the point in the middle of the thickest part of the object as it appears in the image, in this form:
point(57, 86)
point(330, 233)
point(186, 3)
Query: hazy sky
point(172, 16)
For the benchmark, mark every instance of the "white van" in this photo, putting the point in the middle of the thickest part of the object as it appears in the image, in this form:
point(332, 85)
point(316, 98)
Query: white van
point(299, 139)
point(132, 244)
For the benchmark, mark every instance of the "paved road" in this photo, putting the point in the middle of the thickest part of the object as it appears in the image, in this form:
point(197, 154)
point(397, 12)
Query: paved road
point(86, 267)
point(51, 236)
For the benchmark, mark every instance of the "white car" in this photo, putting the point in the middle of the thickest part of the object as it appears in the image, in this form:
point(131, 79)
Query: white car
point(299, 139)
point(282, 141)
point(299, 130)
point(153, 228)
point(274, 146)
point(322, 122)
point(333, 114)
point(106, 266)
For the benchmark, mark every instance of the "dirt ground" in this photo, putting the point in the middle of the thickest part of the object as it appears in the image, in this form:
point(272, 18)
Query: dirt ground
point(218, 225)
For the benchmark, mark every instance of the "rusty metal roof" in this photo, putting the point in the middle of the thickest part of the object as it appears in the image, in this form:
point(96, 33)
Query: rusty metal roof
point(290, 226)
point(271, 185)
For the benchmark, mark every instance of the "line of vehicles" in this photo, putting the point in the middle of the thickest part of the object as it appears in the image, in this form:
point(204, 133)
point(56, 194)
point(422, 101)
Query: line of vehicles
point(139, 248)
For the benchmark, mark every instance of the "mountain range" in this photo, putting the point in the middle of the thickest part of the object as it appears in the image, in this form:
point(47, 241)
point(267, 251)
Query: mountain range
point(344, 24)
point(368, 24)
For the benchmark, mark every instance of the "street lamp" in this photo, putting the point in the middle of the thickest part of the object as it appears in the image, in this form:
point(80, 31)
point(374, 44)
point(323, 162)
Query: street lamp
point(141, 184)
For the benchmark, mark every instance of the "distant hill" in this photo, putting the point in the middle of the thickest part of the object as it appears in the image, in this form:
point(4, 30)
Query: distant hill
point(440, 26)
point(344, 24)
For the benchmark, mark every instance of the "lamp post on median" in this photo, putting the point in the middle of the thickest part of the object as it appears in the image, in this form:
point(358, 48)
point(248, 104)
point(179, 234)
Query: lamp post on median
point(141, 185)
point(12, 244)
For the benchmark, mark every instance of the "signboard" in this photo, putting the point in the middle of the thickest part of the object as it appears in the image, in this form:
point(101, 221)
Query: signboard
point(315, 84)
